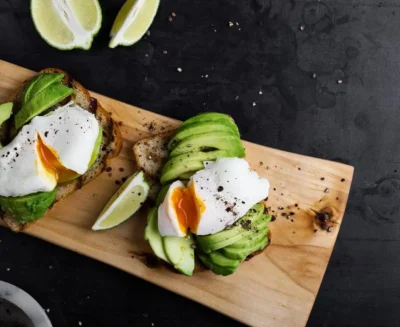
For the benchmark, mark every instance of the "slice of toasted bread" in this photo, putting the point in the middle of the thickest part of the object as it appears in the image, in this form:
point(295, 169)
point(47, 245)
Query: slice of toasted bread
point(110, 147)
point(151, 154)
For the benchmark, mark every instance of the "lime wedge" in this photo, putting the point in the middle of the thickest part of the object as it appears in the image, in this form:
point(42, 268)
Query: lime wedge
point(133, 20)
point(124, 203)
point(67, 24)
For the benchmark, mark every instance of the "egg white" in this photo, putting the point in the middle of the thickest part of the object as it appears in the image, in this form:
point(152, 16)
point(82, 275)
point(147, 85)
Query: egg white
point(70, 132)
point(226, 190)
point(168, 223)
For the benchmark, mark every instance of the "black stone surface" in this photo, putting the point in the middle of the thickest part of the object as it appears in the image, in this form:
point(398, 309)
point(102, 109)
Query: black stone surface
point(276, 47)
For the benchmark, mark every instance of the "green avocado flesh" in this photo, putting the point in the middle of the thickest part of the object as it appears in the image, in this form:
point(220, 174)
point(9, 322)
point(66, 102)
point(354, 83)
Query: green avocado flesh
point(206, 137)
point(42, 93)
point(212, 117)
point(245, 241)
point(243, 227)
point(210, 141)
point(225, 260)
point(218, 263)
point(32, 207)
point(154, 237)
point(186, 176)
point(27, 208)
point(187, 130)
point(5, 113)
point(251, 247)
point(192, 161)
point(97, 146)
point(178, 251)
point(38, 84)
point(162, 194)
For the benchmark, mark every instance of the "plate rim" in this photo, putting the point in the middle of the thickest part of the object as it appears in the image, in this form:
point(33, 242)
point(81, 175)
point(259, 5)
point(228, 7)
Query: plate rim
point(26, 303)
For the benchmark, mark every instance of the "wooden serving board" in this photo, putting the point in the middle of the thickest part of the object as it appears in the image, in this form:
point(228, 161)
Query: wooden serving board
point(276, 288)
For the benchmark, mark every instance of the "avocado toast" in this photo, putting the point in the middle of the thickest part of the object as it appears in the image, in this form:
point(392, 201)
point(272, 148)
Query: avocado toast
point(40, 97)
point(200, 171)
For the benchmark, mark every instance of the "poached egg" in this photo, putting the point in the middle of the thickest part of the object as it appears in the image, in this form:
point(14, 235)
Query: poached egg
point(49, 150)
point(215, 198)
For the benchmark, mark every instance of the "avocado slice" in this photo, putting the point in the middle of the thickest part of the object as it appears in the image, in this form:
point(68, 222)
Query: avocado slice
point(192, 161)
point(154, 237)
point(212, 116)
point(162, 194)
point(180, 252)
point(259, 243)
point(29, 207)
point(97, 146)
point(187, 130)
point(245, 241)
point(245, 226)
point(229, 240)
point(210, 141)
point(177, 170)
point(38, 84)
point(5, 113)
point(187, 175)
point(40, 102)
point(218, 263)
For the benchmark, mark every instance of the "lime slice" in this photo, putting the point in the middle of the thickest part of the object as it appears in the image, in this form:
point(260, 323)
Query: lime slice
point(67, 24)
point(124, 203)
point(133, 20)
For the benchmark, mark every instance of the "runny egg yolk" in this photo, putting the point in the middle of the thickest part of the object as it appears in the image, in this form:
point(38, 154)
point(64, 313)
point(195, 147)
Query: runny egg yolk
point(52, 164)
point(187, 207)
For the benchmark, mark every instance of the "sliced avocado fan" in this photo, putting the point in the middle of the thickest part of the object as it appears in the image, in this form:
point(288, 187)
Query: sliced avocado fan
point(42, 92)
point(206, 137)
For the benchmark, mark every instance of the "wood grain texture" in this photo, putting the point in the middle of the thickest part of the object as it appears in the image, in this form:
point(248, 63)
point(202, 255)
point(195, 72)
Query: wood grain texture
point(276, 288)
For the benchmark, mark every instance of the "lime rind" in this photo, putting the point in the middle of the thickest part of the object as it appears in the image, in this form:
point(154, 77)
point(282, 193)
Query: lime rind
point(129, 15)
point(136, 180)
point(82, 42)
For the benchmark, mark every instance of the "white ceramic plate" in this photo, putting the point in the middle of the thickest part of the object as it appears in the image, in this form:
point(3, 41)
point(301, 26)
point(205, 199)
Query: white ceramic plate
point(32, 313)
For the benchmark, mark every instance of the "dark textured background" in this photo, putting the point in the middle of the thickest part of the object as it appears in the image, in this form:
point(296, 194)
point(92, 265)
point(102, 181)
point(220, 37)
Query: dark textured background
point(355, 122)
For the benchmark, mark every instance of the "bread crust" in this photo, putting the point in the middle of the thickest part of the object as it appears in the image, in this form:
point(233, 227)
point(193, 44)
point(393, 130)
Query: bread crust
point(151, 154)
point(110, 147)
